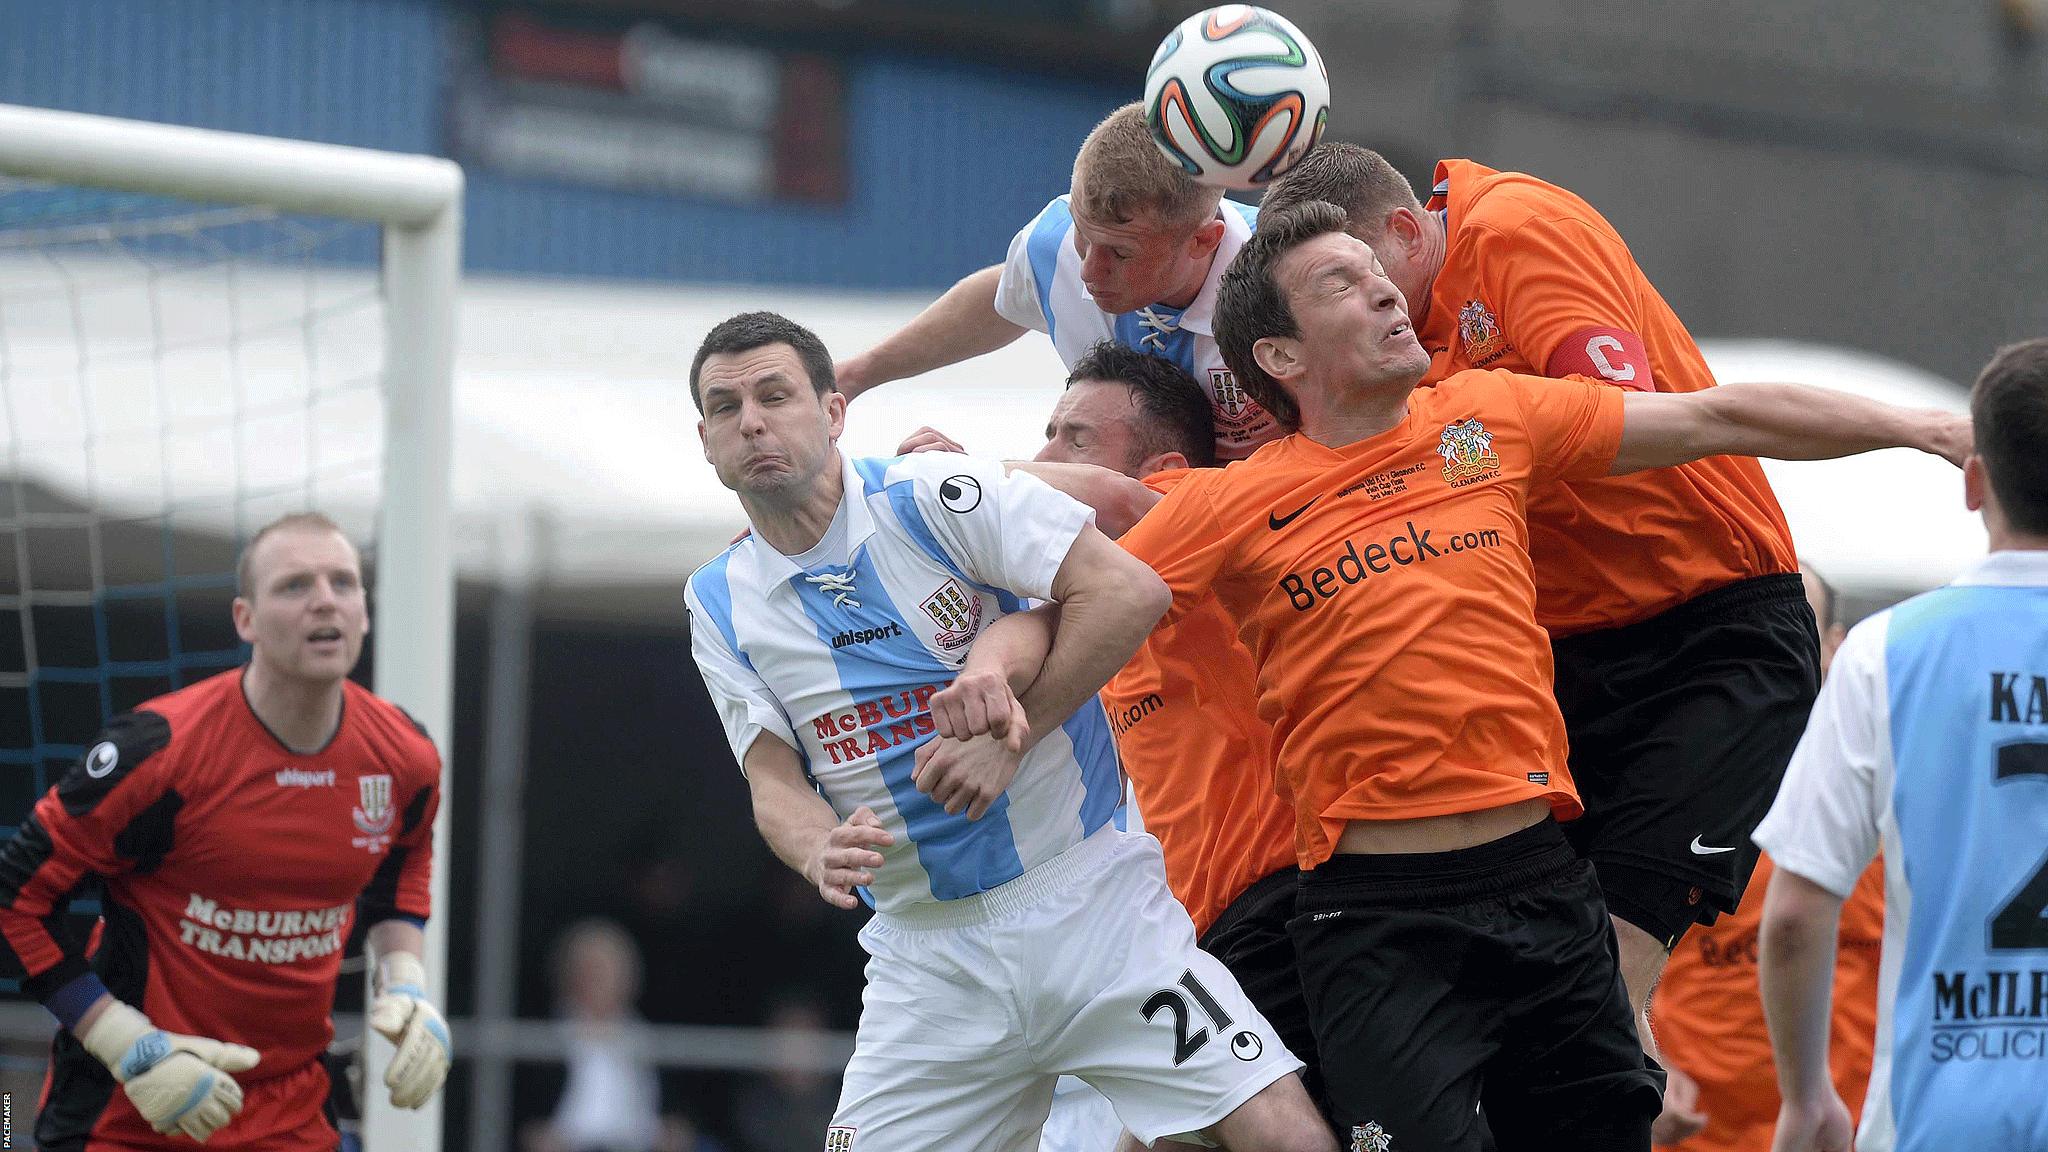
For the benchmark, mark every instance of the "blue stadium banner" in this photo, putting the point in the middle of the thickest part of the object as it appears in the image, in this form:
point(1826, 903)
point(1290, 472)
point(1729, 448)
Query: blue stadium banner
point(635, 104)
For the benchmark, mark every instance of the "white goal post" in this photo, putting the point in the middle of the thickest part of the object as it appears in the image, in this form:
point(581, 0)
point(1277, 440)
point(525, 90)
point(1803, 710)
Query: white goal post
point(418, 200)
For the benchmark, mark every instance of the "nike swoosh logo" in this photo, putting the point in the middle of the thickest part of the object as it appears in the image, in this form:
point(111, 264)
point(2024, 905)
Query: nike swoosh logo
point(1276, 523)
point(1699, 849)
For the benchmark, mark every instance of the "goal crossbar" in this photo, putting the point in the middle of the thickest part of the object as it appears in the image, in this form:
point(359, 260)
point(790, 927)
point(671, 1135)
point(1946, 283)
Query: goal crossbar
point(230, 167)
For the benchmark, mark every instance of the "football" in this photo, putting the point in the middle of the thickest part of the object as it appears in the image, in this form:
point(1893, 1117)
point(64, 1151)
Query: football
point(1235, 95)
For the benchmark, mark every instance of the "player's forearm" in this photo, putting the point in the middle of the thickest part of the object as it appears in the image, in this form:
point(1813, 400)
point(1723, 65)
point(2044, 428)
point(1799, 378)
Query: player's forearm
point(388, 936)
point(1109, 602)
point(793, 819)
point(1015, 647)
point(1118, 500)
point(1795, 970)
point(1796, 422)
point(1779, 422)
point(959, 325)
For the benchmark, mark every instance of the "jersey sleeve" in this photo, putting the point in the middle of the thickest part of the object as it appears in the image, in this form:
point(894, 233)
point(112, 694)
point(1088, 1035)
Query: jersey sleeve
point(746, 707)
point(401, 888)
point(1166, 481)
point(110, 814)
point(1565, 292)
point(1825, 823)
point(1178, 538)
point(1001, 530)
point(1574, 425)
point(1022, 294)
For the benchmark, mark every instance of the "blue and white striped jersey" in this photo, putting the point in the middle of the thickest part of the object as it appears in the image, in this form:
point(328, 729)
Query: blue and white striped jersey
point(1930, 741)
point(1041, 288)
point(840, 662)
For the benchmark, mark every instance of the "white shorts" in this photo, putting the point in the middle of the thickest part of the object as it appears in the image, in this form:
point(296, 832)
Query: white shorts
point(1085, 966)
point(1081, 1120)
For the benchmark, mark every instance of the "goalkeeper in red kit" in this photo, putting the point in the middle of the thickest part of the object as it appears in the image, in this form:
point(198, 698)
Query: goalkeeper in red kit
point(239, 827)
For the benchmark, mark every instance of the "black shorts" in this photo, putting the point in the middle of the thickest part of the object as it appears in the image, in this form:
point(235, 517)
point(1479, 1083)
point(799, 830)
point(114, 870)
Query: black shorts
point(1438, 981)
point(1250, 938)
point(1681, 726)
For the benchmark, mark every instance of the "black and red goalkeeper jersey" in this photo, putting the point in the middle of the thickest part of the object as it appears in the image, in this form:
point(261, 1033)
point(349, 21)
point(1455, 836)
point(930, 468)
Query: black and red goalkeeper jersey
point(234, 868)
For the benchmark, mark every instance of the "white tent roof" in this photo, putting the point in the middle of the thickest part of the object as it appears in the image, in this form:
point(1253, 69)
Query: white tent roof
point(1882, 522)
point(574, 420)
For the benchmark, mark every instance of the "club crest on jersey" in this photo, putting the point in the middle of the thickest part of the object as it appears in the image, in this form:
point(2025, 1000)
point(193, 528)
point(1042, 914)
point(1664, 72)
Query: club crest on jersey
point(839, 1139)
point(1230, 396)
point(1479, 332)
point(1370, 1138)
point(1467, 449)
point(373, 815)
point(956, 611)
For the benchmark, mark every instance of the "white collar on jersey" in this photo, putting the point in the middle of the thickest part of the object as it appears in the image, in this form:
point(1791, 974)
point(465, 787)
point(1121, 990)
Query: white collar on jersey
point(1197, 315)
point(2012, 568)
point(773, 570)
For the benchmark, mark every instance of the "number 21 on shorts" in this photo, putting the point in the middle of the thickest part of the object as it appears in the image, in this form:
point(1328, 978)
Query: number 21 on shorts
point(1244, 1045)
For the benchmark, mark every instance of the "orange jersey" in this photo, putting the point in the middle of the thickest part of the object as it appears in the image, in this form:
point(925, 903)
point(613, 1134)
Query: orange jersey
point(1200, 760)
point(1535, 281)
point(1384, 591)
point(1709, 1015)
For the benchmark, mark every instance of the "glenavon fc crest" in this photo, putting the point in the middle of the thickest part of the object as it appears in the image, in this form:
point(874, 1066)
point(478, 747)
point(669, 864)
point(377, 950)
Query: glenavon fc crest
point(1467, 449)
point(1370, 1138)
point(1476, 327)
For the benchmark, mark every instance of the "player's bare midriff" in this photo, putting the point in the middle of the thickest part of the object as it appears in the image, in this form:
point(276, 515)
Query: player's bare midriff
point(1440, 833)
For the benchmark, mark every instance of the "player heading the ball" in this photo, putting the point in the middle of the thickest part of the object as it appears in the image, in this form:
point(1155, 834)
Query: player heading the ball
point(1131, 254)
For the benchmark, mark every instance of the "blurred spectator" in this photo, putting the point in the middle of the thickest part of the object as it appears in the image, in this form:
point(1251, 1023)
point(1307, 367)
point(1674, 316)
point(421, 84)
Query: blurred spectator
point(812, 950)
point(789, 1109)
point(1708, 1014)
point(612, 1099)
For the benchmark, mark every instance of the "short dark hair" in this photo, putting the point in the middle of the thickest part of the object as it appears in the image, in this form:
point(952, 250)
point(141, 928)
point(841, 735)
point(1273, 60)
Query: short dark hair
point(245, 569)
point(1251, 306)
point(1358, 180)
point(1175, 412)
point(2009, 416)
point(750, 330)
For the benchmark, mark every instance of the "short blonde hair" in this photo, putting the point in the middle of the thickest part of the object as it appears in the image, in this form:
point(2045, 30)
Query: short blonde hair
point(314, 521)
point(1120, 172)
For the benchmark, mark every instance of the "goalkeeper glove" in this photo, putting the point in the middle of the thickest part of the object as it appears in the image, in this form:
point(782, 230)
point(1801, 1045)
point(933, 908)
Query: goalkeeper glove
point(178, 1083)
point(402, 1015)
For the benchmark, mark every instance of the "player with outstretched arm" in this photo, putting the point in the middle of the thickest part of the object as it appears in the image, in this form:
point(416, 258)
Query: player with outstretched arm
point(1131, 254)
point(1454, 949)
point(1686, 657)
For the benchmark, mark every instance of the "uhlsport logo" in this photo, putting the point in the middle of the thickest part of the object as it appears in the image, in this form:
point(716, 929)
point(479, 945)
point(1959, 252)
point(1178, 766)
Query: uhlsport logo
point(960, 494)
point(104, 756)
point(867, 635)
point(305, 778)
point(1467, 449)
point(956, 611)
point(1477, 329)
point(373, 814)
